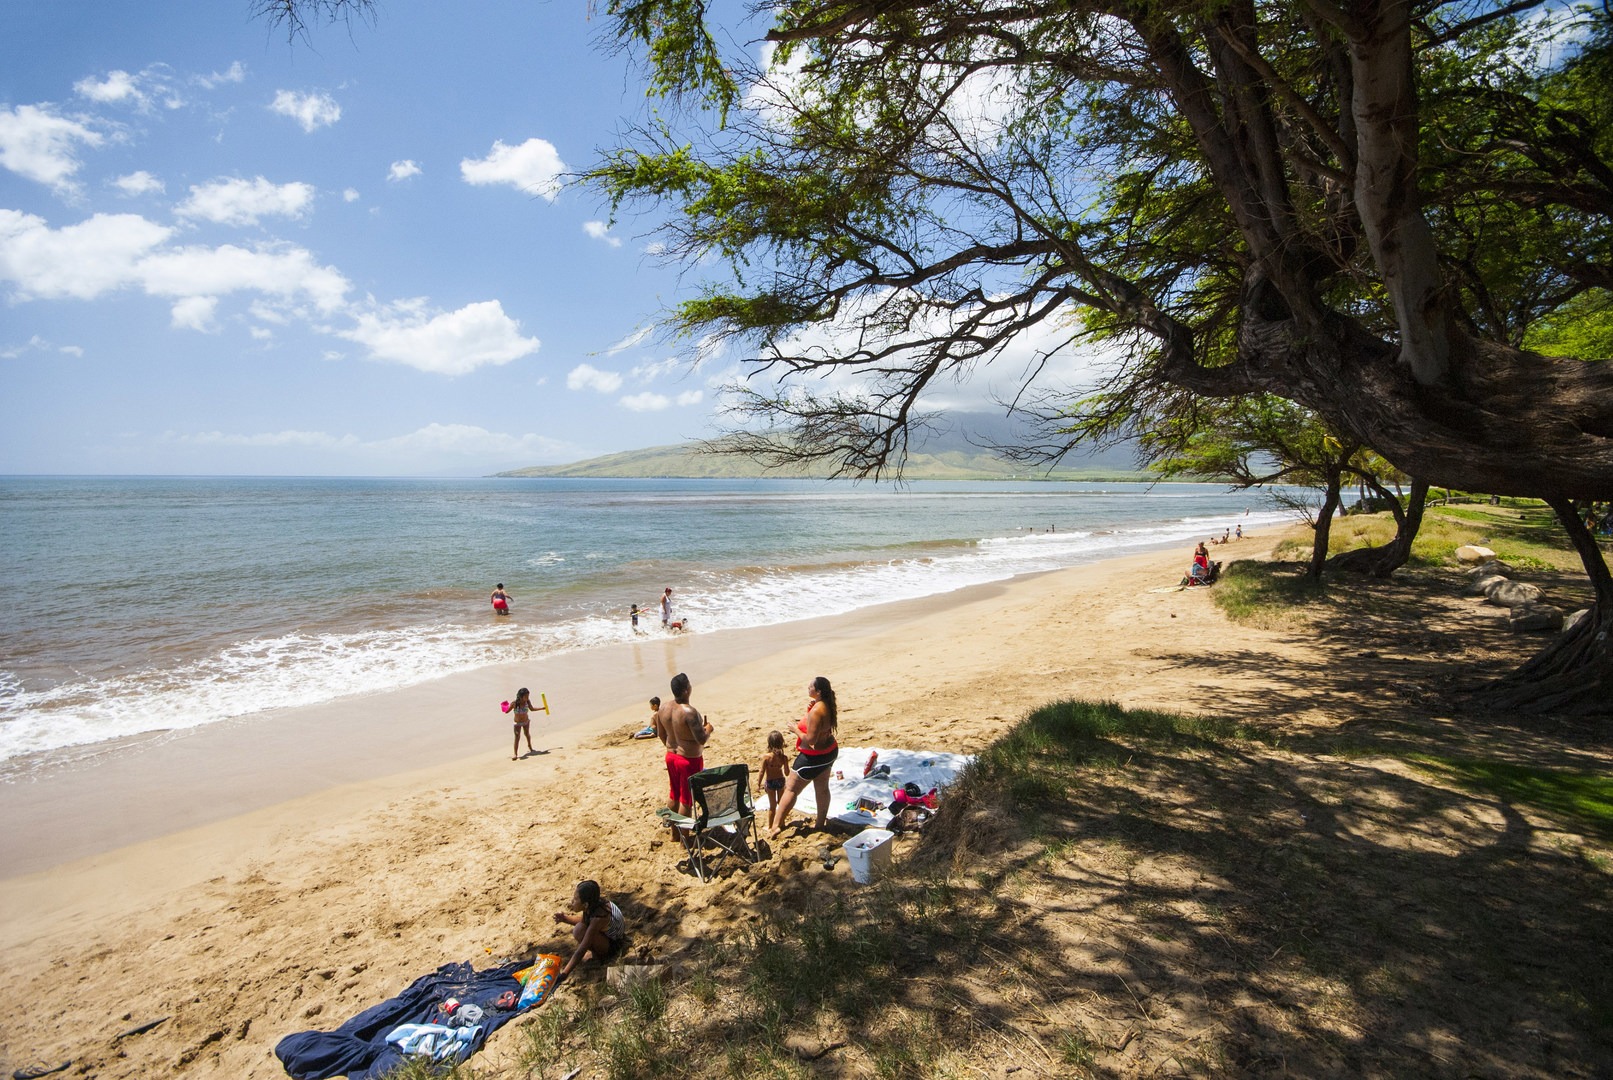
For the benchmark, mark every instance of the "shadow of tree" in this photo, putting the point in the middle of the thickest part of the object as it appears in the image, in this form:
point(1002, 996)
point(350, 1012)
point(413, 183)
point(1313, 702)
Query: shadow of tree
point(1256, 912)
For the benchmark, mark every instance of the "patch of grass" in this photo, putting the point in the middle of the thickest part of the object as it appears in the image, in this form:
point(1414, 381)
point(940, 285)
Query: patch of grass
point(1266, 594)
point(1528, 537)
point(419, 1068)
point(1077, 1047)
point(1585, 799)
point(1068, 734)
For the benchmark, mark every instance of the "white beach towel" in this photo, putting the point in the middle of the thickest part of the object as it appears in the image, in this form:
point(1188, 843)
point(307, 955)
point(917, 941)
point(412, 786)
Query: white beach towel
point(926, 768)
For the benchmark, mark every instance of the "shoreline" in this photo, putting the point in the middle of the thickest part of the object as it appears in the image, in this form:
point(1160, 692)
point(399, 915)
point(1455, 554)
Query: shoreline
point(92, 800)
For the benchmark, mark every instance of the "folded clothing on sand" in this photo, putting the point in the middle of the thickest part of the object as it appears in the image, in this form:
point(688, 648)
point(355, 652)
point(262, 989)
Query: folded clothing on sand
point(359, 1048)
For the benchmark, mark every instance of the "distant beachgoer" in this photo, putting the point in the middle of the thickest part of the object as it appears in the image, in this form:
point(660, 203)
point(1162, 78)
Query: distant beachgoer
point(1226, 536)
point(1239, 532)
point(598, 927)
point(666, 609)
point(634, 616)
point(816, 751)
point(522, 708)
point(683, 731)
point(501, 600)
point(770, 776)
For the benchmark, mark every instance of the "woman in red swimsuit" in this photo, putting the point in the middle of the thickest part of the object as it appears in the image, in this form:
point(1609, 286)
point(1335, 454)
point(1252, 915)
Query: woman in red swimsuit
point(816, 750)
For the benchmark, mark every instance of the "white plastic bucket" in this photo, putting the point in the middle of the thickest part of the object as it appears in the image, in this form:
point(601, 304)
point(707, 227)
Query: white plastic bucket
point(868, 853)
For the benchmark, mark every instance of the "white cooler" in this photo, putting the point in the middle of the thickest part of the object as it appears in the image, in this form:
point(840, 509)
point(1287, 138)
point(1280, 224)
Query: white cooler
point(869, 852)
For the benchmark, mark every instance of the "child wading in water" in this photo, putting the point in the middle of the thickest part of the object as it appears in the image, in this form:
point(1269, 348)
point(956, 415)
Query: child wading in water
point(522, 710)
point(598, 926)
point(771, 774)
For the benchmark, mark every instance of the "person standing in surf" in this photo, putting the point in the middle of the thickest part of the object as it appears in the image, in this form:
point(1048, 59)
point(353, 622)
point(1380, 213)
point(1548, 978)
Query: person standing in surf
point(501, 600)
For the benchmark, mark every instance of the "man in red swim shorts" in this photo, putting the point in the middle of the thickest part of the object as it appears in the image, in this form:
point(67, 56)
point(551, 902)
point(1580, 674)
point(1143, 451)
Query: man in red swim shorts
point(683, 731)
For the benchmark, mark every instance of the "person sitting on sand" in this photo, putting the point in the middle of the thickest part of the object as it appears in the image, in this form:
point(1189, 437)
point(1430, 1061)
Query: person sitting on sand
point(598, 927)
point(816, 751)
point(648, 730)
point(1200, 573)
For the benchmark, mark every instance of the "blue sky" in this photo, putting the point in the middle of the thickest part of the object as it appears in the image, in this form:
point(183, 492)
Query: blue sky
point(223, 253)
point(220, 253)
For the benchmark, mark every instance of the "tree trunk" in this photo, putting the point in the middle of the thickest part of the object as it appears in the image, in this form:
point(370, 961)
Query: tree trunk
point(1381, 562)
point(1324, 524)
point(1572, 676)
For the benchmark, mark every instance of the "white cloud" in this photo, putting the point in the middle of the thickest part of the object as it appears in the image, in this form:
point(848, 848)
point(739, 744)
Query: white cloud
point(112, 251)
point(1044, 349)
point(449, 343)
point(279, 270)
point(235, 74)
point(533, 167)
point(242, 202)
point(260, 333)
point(600, 231)
point(195, 313)
point(435, 441)
point(271, 438)
point(424, 450)
point(658, 368)
point(82, 261)
point(691, 397)
point(313, 110)
point(38, 344)
point(588, 377)
point(38, 144)
point(118, 87)
point(402, 170)
point(645, 402)
point(630, 340)
point(350, 195)
point(139, 183)
point(266, 313)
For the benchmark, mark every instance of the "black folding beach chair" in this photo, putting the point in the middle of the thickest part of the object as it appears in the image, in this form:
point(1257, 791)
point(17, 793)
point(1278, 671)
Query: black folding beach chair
point(724, 819)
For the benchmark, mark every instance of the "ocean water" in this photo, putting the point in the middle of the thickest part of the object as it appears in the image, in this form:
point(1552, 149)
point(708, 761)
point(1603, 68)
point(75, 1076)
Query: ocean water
point(133, 605)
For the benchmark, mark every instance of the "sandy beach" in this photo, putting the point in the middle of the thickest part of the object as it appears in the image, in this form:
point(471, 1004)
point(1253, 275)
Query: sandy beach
point(254, 880)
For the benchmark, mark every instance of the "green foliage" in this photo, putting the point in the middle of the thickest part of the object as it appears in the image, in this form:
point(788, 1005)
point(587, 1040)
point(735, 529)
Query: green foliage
point(1581, 327)
point(1526, 535)
point(683, 56)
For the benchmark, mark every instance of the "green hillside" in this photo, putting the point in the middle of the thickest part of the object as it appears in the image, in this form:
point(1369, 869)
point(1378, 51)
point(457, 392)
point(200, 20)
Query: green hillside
point(686, 461)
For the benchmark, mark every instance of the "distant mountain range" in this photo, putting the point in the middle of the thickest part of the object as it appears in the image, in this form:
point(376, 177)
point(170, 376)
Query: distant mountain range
point(950, 455)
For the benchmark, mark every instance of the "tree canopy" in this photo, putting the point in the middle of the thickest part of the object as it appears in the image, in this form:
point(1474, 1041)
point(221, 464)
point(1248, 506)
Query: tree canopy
point(1366, 209)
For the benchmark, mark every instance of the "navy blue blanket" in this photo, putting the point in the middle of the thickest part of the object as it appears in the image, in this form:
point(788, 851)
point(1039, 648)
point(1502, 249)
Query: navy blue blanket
point(359, 1050)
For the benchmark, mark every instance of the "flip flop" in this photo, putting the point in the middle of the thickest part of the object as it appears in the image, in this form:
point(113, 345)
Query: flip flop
point(36, 1071)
